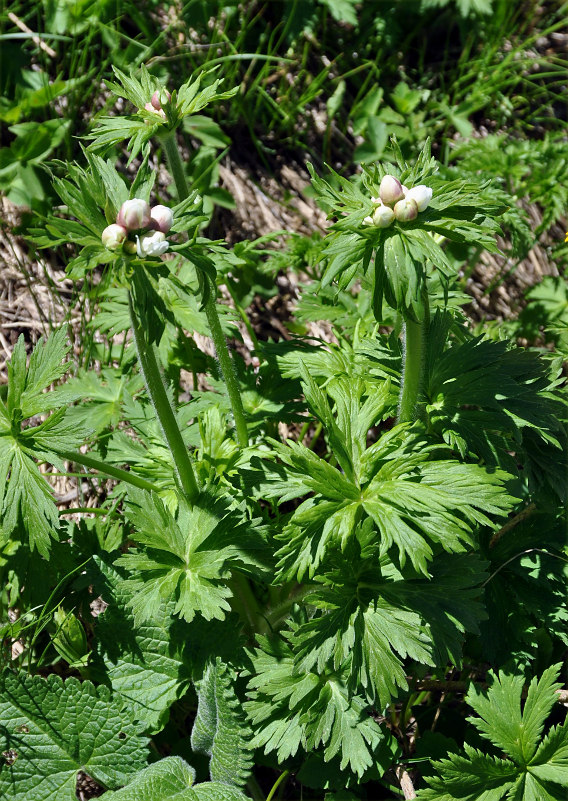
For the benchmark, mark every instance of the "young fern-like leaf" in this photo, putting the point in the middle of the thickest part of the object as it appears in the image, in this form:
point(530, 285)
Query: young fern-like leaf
point(220, 730)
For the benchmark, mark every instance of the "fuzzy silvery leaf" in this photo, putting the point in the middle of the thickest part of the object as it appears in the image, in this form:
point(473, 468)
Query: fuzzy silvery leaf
point(172, 779)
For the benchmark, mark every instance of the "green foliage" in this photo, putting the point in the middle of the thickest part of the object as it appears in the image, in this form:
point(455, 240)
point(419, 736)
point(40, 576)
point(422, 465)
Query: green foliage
point(147, 664)
point(51, 729)
point(188, 558)
point(292, 709)
point(460, 211)
point(369, 620)
point(190, 99)
point(533, 767)
point(295, 609)
point(25, 496)
point(172, 779)
point(220, 730)
point(399, 484)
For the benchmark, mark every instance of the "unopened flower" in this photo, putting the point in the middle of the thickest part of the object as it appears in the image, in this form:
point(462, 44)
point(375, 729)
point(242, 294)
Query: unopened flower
point(156, 98)
point(390, 190)
point(134, 214)
point(154, 244)
point(422, 195)
point(129, 247)
point(159, 111)
point(113, 236)
point(383, 216)
point(406, 210)
point(162, 218)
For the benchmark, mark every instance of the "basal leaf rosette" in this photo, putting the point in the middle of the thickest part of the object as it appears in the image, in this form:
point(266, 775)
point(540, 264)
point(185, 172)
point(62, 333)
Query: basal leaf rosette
point(396, 218)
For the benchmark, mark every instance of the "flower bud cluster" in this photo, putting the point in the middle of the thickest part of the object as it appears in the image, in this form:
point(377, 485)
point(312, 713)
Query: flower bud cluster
point(139, 229)
point(397, 201)
point(155, 104)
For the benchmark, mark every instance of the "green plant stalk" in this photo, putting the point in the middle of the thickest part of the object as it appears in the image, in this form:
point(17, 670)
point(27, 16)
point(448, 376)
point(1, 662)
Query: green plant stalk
point(162, 407)
point(107, 470)
point(414, 347)
point(227, 369)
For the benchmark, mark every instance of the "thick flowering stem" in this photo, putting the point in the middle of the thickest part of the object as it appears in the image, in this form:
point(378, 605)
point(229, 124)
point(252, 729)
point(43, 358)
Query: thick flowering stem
point(414, 345)
point(162, 407)
point(227, 369)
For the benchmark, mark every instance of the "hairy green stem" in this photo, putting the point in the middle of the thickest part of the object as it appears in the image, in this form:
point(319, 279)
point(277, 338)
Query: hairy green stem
point(227, 369)
point(414, 347)
point(246, 605)
point(107, 469)
point(413, 336)
point(162, 407)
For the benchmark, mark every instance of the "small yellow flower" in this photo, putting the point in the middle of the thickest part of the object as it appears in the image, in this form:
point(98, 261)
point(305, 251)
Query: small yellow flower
point(566, 237)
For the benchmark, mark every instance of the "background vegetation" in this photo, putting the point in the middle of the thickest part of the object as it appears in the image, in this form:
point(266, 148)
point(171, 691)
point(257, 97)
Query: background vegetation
point(327, 82)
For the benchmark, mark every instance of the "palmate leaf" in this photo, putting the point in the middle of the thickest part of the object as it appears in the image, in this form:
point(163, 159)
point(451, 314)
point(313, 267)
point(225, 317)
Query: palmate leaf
point(525, 596)
point(172, 779)
point(24, 493)
point(50, 729)
point(188, 558)
point(148, 665)
point(371, 619)
point(292, 709)
point(220, 730)
point(415, 501)
point(532, 770)
point(480, 391)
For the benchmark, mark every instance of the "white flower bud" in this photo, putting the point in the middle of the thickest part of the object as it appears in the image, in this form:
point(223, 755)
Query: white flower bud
point(369, 221)
point(113, 236)
point(156, 101)
point(134, 214)
point(422, 195)
point(383, 216)
point(406, 210)
point(390, 190)
point(159, 111)
point(162, 218)
point(154, 244)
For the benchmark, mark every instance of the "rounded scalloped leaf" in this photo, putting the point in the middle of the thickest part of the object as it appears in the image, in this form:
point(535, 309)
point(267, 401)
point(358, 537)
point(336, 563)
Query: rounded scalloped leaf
point(50, 729)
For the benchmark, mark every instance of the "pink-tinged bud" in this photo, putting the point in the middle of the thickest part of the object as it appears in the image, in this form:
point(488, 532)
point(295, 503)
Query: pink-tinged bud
point(160, 112)
point(390, 190)
point(154, 244)
point(113, 236)
point(406, 210)
point(162, 218)
point(421, 195)
point(134, 214)
point(156, 101)
point(383, 216)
